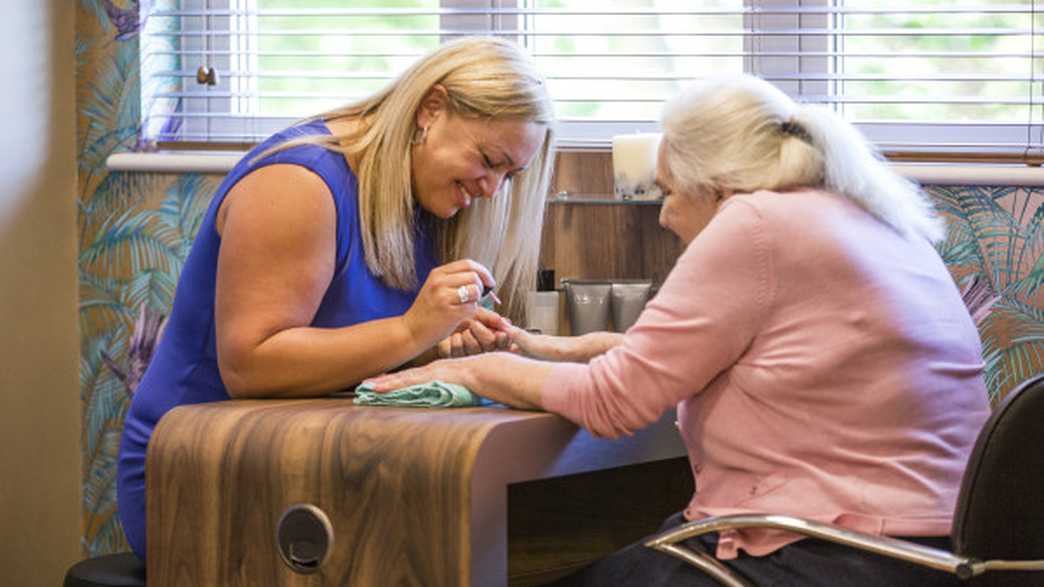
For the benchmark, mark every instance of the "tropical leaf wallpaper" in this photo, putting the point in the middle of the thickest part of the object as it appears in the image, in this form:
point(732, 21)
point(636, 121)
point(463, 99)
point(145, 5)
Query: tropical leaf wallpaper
point(136, 229)
point(135, 233)
point(995, 244)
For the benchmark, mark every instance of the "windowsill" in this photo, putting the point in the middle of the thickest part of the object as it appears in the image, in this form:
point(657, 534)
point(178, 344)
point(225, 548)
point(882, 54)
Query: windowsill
point(924, 173)
point(219, 162)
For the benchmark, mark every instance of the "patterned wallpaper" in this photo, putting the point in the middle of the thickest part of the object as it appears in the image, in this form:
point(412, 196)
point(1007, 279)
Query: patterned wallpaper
point(136, 229)
point(995, 250)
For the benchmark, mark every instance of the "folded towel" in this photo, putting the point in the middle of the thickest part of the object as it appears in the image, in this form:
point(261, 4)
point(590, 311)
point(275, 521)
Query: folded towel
point(434, 394)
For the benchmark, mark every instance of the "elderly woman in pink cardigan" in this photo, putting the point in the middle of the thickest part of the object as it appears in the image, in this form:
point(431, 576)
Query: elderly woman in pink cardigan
point(817, 350)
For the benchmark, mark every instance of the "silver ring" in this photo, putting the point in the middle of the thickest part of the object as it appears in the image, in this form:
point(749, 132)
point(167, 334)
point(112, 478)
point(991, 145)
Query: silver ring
point(464, 294)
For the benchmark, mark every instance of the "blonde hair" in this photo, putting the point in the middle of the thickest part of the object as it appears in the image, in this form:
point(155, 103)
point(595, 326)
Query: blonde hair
point(741, 134)
point(484, 77)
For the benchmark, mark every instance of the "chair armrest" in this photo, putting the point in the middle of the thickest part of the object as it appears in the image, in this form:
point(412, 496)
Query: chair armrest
point(706, 563)
point(935, 558)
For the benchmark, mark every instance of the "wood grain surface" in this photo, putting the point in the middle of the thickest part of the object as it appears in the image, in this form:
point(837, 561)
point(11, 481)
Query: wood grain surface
point(583, 172)
point(224, 473)
point(606, 241)
point(602, 241)
point(414, 496)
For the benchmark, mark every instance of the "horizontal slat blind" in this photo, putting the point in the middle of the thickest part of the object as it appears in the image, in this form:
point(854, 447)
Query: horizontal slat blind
point(932, 75)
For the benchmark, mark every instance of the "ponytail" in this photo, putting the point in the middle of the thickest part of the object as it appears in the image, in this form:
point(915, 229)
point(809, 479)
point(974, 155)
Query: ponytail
point(853, 168)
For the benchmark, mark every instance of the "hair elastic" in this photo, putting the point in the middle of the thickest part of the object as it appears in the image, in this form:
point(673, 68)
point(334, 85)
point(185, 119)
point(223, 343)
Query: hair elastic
point(793, 129)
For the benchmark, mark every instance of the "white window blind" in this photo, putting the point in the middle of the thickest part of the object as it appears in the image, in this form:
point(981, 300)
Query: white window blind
point(926, 76)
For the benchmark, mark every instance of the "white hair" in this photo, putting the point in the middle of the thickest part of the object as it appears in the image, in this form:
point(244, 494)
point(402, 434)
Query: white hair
point(741, 134)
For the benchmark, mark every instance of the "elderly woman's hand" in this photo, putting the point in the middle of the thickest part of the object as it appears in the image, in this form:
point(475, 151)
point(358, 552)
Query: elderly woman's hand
point(501, 377)
point(446, 371)
point(562, 348)
point(485, 332)
point(538, 346)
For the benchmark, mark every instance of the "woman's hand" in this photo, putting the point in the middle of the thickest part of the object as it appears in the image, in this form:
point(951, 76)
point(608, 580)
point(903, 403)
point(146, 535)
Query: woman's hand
point(501, 377)
point(485, 332)
point(448, 297)
point(562, 348)
point(539, 346)
point(446, 370)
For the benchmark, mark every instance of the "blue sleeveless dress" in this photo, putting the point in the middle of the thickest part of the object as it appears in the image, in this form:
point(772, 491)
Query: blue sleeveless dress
point(184, 369)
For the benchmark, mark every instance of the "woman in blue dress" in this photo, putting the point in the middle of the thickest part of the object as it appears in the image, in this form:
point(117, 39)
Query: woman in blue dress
point(357, 242)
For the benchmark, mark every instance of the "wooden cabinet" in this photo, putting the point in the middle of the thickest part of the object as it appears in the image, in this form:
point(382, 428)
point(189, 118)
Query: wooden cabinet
point(413, 496)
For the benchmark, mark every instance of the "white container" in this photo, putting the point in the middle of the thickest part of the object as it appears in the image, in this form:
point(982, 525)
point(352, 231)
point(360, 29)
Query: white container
point(634, 166)
point(542, 312)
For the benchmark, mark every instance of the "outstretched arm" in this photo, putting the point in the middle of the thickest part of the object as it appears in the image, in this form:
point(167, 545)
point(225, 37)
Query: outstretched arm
point(694, 329)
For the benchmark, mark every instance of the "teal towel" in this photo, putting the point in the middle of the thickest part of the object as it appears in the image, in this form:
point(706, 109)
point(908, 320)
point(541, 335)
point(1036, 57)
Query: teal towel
point(434, 394)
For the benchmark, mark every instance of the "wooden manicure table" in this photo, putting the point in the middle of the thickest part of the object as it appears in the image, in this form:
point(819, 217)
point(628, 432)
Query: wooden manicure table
point(477, 496)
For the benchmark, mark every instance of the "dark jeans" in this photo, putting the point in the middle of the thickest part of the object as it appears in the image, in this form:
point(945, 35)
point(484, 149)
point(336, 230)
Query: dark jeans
point(807, 563)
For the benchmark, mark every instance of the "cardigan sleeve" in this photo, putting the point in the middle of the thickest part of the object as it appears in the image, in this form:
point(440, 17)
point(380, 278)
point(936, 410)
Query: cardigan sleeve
point(704, 317)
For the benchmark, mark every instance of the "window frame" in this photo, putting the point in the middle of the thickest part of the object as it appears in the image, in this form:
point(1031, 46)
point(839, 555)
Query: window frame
point(593, 134)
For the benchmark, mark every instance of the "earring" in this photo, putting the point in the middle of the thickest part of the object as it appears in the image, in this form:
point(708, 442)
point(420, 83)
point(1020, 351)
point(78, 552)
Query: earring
point(420, 135)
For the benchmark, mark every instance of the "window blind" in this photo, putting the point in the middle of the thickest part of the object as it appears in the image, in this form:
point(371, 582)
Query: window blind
point(921, 77)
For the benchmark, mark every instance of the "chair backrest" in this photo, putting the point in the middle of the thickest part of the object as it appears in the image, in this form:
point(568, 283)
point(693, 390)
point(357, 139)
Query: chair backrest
point(1000, 510)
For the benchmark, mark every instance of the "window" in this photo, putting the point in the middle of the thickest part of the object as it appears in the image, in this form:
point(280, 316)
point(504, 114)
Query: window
point(932, 75)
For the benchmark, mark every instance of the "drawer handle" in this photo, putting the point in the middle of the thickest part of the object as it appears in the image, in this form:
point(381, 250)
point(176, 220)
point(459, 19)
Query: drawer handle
point(304, 538)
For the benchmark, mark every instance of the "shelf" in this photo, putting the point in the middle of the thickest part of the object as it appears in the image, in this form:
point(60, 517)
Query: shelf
point(598, 200)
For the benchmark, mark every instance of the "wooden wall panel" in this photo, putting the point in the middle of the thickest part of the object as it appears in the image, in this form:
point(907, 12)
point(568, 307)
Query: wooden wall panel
point(602, 241)
point(607, 241)
point(583, 172)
